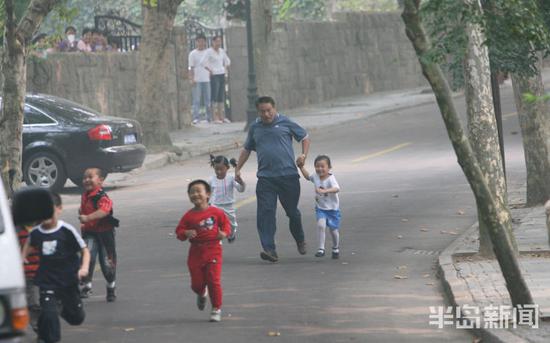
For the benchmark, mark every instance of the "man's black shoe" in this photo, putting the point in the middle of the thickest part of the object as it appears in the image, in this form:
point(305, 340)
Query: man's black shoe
point(301, 248)
point(270, 256)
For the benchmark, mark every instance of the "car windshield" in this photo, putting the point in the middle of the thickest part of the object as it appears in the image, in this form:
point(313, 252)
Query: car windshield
point(63, 107)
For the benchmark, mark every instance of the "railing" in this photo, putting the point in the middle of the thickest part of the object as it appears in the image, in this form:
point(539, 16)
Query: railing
point(124, 33)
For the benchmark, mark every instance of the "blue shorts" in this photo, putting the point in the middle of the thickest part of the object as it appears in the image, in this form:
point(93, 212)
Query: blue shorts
point(332, 217)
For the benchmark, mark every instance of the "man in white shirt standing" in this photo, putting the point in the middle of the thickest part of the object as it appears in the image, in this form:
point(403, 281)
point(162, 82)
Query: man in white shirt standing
point(200, 79)
point(216, 62)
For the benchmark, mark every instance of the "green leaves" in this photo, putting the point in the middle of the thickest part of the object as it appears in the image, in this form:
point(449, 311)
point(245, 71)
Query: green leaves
point(532, 98)
point(445, 22)
point(300, 9)
point(517, 32)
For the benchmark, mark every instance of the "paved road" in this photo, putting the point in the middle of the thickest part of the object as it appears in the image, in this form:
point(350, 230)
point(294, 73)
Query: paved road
point(403, 199)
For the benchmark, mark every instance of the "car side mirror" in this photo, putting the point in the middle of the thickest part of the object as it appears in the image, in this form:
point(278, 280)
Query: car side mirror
point(31, 205)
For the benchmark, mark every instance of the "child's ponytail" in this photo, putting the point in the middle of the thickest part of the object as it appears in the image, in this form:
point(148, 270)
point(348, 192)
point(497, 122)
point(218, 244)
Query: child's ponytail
point(222, 159)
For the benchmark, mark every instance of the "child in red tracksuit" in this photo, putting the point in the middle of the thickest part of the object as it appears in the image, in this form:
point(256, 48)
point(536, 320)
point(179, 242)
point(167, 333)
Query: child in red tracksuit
point(205, 227)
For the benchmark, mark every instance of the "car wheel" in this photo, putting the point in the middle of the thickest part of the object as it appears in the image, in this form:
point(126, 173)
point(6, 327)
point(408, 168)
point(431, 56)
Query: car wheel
point(44, 169)
point(77, 181)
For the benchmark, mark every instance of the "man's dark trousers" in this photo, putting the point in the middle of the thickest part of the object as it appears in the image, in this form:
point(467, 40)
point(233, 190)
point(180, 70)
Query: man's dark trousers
point(287, 189)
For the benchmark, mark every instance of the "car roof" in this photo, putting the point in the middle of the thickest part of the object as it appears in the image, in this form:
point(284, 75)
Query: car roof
point(61, 107)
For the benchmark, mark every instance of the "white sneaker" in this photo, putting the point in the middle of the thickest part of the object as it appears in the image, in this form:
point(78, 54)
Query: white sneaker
point(216, 315)
point(225, 120)
point(195, 121)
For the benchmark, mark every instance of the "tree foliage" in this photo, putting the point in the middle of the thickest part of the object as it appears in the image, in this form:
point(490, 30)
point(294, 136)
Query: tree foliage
point(516, 32)
point(367, 5)
point(19, 8)
point(299, 9)
point(285, 10)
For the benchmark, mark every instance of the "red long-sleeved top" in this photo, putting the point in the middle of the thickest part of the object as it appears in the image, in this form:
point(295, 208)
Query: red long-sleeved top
point(207, 223)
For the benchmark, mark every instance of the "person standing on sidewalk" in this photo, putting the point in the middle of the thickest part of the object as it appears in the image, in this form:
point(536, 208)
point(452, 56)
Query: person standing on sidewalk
point(200, 80)
point(216, 62)
point(271, 137)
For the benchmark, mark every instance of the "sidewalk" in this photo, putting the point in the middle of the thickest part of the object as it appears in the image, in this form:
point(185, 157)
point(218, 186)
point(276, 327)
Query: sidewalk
point(471, 281)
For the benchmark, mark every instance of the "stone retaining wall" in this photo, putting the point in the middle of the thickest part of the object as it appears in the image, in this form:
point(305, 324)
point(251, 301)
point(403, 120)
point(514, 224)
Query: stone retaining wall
point(309, 62)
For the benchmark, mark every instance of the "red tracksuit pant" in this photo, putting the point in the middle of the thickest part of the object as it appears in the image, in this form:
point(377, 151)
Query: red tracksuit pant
point(205, 267)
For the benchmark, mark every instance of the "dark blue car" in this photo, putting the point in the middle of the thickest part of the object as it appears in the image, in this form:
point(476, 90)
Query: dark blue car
point(62, 138)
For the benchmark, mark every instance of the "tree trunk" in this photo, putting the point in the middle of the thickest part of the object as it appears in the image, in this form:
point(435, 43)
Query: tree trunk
point(533, 120)
point(482, 125)
point(14, 70)
point(153, 70)
point(491, 210)
point(262, 16)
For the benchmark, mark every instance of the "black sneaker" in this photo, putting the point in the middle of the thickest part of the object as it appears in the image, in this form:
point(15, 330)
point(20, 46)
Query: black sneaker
point(301, 248)
point(85, 292)
point(335, 253)
point(111, 297)
point(232, 237)
point(320, 253)
point(270, 256)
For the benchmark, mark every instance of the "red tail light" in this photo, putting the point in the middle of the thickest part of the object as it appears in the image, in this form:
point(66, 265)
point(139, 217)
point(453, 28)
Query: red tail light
point(100, 133)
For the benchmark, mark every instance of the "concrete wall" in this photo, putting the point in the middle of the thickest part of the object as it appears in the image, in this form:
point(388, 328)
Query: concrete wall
point(107, 81)
point(307, 63)
point(313, 62)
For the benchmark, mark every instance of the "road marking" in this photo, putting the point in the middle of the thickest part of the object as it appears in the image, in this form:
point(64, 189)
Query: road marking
point(509, 115)
point(245, 202)
point(380, 153)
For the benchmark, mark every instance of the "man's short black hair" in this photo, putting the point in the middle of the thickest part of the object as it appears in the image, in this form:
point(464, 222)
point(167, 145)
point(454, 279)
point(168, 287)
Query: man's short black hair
point(86, 30)
point(56, 199)
point(200, 36)
point(199, 182)
point(265, 100)
point(70, 28)
point(216, 37)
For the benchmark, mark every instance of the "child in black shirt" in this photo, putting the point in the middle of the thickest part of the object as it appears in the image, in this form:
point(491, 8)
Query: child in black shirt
point(60, 270)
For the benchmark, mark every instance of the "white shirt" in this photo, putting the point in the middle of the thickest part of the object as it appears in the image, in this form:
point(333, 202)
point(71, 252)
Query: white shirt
point(200, 74)
point(327, 201)
point(216, 60)
point(222, 190)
